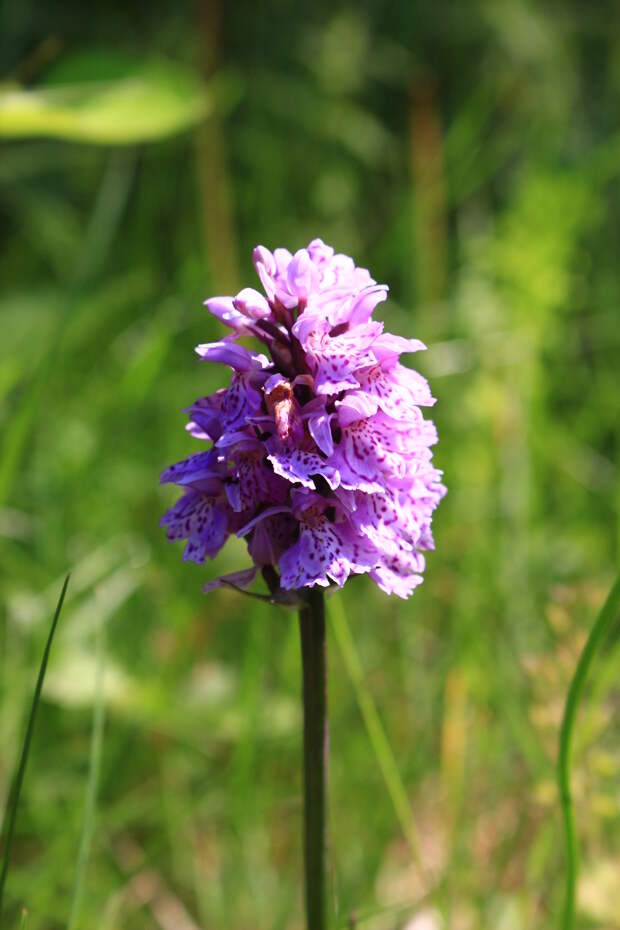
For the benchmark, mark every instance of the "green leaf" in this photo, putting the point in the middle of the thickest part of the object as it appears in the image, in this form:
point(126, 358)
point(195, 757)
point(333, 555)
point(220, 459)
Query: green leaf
point(147, 102)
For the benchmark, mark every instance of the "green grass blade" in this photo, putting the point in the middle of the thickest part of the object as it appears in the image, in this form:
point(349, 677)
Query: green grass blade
point(376, 732)
point(8, 825)
point(94, 769)
point(596, 637)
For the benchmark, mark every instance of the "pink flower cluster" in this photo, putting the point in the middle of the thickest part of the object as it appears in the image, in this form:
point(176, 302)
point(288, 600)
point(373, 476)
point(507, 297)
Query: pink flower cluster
point(319, 454)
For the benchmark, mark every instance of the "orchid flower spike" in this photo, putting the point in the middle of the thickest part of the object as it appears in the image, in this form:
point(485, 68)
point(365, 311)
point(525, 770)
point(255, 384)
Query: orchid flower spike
point(318, 454)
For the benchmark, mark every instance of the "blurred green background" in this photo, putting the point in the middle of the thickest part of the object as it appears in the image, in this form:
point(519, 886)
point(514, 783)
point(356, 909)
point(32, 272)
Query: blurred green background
point(469, 155)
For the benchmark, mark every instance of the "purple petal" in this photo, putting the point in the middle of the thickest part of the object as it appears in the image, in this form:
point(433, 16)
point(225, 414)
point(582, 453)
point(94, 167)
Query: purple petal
point(263, 257)
point(205, 416)
point(269, 512)
point(303, 499)
point(282, 258)
point(298, 466)
point(393, 583)
point(242, 399)
point(399, 574)
point(223, 308)
point(271, 270)
point(197, 518)
point(228, 353)
point(197, 467)
point(242, 440)
point(365, 459)
point(254, 482)
point(271, 537)
point(356, 405)
point(324, 552)
point(335, 360)
point(309, 322)
point(388, 345)
point(413, 382)
point(302, 275)
point(319, 427)
point(390, 519)
point(252, 304)
point(319, 252)
point(396, 390)
point(233, 496)
point(364, 304)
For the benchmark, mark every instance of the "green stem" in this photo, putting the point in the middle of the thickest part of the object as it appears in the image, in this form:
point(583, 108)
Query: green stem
point(597, 634)
point(313, 657)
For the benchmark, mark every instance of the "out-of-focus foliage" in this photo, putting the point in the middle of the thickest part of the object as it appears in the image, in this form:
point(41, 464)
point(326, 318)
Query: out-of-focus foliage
point(139, 103)
point(470, 155)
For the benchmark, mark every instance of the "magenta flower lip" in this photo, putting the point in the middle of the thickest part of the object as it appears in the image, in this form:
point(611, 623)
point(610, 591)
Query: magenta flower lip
point(319, 454)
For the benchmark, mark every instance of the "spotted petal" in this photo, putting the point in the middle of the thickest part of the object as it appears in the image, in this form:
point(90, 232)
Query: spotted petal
point(301, 467)
point(199, 519)
point(323, 553)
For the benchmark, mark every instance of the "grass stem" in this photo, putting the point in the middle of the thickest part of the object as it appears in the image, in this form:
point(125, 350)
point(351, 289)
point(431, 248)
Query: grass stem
point(94, 769)
point(8, 825)
point(597, 634)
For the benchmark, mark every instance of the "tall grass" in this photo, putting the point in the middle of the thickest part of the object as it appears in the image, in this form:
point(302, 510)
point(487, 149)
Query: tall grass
point(600, 629)
point(10, 816)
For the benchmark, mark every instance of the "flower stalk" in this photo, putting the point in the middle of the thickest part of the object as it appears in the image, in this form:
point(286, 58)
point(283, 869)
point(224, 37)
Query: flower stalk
point(315, 754)
point(319, 456)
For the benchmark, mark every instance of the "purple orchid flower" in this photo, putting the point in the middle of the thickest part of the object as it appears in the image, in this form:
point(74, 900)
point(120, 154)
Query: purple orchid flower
point(320, 456)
